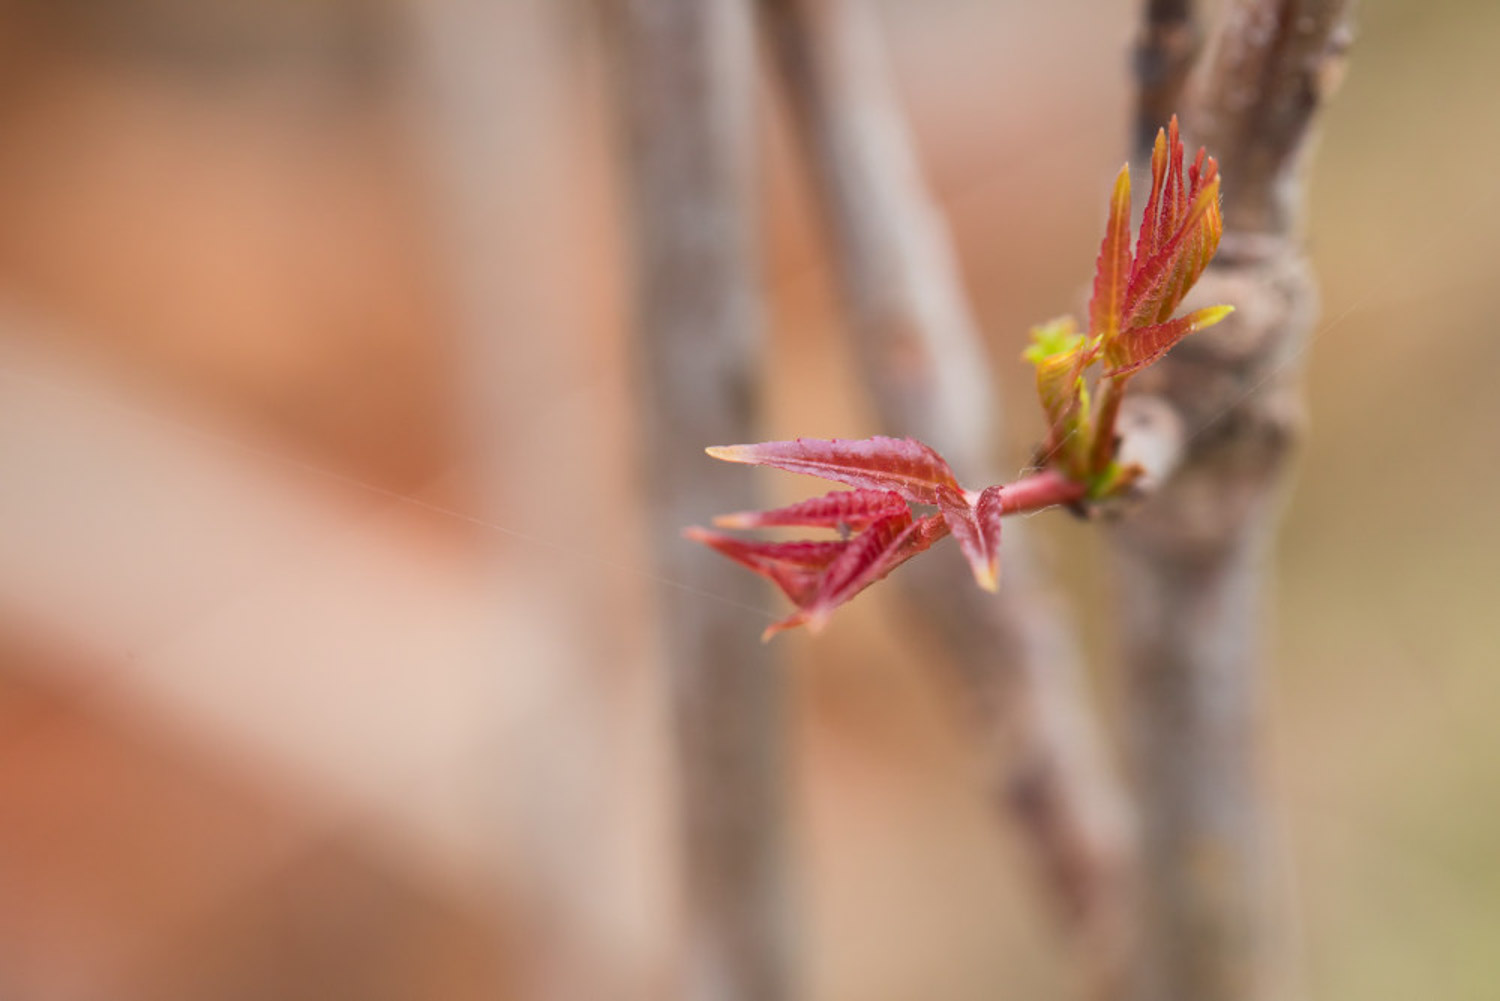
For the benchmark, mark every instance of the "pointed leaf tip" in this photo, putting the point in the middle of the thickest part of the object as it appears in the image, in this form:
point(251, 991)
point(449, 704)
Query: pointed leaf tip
point(977, 529)
point(814, 621)
point(903, 465)
point(727, 453)
point(1140, 346)
point(1112, 270)
point(1210, 315)
point(774, 629)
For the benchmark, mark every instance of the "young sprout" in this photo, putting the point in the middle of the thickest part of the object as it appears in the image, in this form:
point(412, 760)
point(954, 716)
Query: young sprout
point(1131, 325)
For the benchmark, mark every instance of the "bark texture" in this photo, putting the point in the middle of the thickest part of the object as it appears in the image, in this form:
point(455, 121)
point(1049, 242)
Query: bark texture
point(1221, 413)
point(687, 86)
point(1164, 56)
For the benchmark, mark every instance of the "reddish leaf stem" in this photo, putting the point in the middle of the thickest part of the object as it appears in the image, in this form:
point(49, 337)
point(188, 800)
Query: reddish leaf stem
point(1111, 393)
point(1048, 488)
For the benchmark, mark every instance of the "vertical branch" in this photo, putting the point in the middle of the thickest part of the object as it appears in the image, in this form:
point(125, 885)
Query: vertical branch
point(1192, 559)
point(492, 95)
point(686, 91)
point(918, 344)
point(922, 359)
point(1164, 55)
point(1271, 69)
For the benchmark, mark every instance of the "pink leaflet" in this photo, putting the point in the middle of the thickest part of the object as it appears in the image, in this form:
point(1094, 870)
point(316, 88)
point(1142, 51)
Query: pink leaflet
point(795, 567)
point(977, 529)
point(1112, 269)
point(852, 509)
point(868, 558)
point(1140, 346)
point(902, 465)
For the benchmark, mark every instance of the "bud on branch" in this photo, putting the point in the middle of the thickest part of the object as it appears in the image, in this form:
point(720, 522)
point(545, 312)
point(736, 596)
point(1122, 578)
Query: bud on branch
point(1130, 327)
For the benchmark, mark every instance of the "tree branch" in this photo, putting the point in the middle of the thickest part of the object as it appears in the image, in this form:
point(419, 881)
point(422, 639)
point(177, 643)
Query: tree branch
point(1273, 65)
point(1192, 558)
point(687, 87)
point(1164, 55)
point(921, 357)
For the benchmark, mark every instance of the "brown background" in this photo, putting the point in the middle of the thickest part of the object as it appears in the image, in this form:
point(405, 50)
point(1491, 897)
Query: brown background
point(322, 666)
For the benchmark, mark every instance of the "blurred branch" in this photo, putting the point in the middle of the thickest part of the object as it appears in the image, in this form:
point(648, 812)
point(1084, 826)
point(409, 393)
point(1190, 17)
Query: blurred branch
point(922, 358)
point(490, 95)
point(1192, 558)
point(1273, 65)
point(1164, 55)
point(918, 343)
point(686, 89)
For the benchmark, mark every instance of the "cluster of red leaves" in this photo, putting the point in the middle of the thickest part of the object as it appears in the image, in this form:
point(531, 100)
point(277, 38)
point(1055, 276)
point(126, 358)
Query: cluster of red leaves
point(1130, 326)
point(1130, 314)
point(878, 527)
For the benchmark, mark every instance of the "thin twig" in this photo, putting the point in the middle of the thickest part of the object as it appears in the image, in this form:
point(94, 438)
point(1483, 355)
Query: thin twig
point(1192, 558)
point(687, 84)
point(921, 354)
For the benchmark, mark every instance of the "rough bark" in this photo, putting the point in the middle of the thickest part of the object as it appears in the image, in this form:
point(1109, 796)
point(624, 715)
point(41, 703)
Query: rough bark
point(921, 355)
point(686, 87)
point(1225, 408)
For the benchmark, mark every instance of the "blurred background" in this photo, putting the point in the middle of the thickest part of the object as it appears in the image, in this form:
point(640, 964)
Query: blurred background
point(325, 667)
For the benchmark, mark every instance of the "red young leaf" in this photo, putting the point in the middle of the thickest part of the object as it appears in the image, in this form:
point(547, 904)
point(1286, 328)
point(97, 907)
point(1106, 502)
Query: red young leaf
point(795, 567)
point(820, 576)
point(1130, 326)
point(1204, 169)
point(851, 509)
point(1180, 231)
point(1112, 271)
point(977, 529)
point(1157, 285)
point(1148, 242)
point(868, 557)
point(1140, 346)
point(1174, 198)
point(903, 465)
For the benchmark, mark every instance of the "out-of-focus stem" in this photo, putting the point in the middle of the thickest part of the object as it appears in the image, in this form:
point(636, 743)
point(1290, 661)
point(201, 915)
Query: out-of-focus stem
point(919, 347)
point(686, 91)
point(921, 355)
point(1192, 558)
